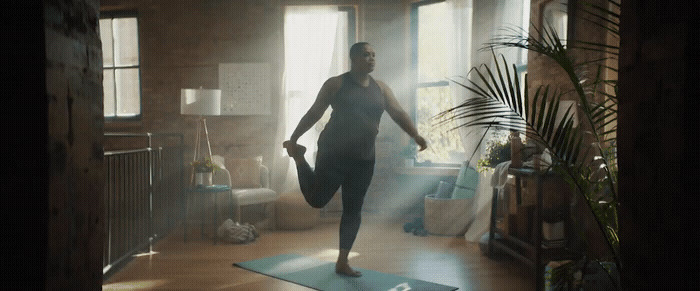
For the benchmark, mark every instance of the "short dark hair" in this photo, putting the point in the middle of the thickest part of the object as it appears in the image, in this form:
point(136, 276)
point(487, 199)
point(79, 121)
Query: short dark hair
point(355, 48)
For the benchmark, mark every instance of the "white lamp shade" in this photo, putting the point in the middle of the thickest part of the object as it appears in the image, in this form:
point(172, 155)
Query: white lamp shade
point(200, 101)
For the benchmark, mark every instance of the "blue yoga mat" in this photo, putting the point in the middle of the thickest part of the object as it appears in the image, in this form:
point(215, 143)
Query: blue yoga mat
point(320, 275)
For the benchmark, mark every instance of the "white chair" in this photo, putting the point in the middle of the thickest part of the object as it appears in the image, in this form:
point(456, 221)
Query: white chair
point(247, 196)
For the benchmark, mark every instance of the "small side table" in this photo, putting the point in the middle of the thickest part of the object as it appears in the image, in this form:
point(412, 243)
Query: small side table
point(202, 192)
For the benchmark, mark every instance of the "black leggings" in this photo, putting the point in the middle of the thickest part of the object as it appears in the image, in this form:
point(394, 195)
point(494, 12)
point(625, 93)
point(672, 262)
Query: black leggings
point(332, 172)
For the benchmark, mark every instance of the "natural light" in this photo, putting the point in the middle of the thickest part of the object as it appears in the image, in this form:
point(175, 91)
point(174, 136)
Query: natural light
point(133, 285)
point(121, 81)
point(310, 59)
point(433, 92)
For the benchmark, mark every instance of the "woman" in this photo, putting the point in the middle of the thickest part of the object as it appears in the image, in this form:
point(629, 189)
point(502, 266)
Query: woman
point(346, 145)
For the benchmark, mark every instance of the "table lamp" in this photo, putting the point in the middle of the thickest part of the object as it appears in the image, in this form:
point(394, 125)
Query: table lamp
point(200, 102)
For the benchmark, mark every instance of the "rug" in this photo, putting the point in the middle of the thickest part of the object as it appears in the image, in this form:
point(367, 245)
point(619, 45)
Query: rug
point(320, 275)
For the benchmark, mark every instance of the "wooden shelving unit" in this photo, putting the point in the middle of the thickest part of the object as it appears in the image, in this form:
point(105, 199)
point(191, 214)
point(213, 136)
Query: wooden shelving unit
point(529, 251)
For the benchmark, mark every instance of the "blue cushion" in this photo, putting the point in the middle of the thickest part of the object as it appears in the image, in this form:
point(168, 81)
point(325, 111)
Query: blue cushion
point(444, 190)
point(467, 180)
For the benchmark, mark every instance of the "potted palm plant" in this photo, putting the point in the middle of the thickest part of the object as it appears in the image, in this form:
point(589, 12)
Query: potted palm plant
point(584, 155)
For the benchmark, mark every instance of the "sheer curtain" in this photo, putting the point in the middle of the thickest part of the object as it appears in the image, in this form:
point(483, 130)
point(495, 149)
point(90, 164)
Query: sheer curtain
point(474, 23)
point(461, 62)
point(467, 38)
point(315, 48)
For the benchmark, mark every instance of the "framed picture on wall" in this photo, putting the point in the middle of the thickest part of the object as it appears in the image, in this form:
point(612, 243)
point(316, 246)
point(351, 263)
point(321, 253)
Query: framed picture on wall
point(245, 88)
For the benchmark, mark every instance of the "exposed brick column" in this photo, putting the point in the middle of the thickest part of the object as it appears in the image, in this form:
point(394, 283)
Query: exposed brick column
point(73, 73)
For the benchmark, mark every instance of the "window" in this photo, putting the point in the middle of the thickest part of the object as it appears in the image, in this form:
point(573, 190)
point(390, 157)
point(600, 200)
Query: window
point(120, 66)
point(555, 14)
point(435, 31)
point(317, 40)
point(430, 62)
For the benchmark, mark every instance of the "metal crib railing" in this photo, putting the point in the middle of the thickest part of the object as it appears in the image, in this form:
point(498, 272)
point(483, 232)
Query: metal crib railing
point(143, 194)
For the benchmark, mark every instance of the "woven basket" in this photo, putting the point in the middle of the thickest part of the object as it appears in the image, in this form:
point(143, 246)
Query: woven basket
point(447, 216)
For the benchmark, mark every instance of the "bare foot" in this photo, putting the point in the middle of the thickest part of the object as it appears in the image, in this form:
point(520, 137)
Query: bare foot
point(345, 270)
point(294, 150)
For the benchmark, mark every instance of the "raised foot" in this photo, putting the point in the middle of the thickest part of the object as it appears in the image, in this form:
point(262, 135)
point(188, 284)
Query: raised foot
point(345, 270)
point(294, 150)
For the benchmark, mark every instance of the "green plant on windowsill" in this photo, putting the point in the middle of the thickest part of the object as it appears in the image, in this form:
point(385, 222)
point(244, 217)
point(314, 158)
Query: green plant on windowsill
point(204, 166)
point(496, 152)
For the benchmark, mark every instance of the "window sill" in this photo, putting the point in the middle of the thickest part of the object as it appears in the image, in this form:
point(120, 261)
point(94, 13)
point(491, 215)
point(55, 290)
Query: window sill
point(428, 171)
point(122, 125)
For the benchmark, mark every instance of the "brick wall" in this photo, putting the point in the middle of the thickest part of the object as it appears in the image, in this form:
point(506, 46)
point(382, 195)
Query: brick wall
point(181, 46)
point(183, 42)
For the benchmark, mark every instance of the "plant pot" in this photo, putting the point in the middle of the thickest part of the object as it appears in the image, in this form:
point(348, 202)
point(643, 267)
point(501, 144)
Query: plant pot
point(203, 179)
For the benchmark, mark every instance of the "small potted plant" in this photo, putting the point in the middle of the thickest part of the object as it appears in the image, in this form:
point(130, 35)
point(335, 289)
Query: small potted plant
point(203, 170)
point(496, 151)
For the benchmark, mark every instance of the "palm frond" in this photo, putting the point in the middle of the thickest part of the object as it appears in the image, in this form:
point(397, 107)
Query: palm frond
point(596, 61)
point(596, 47)
point(498, 104)
point(606, 24)
point(602, 112)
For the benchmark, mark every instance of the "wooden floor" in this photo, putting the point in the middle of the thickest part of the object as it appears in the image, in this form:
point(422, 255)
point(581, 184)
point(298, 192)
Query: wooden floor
point(382, 245)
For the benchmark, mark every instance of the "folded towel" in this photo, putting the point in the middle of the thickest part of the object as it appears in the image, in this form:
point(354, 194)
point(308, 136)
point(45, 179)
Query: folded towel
point(500, 175)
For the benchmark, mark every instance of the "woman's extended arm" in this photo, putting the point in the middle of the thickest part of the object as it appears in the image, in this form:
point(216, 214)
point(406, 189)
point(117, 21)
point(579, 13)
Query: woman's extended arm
point(400, 116)
point(317, 109)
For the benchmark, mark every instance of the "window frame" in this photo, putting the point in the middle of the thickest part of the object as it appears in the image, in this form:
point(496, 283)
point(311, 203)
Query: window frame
point(352, 22)
point(416, 84)
point(114, 67)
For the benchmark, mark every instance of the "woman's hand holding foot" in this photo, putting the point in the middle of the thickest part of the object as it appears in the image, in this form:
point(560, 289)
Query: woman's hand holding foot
point(294, 150)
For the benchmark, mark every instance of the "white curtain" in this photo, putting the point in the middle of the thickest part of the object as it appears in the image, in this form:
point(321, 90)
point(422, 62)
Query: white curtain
point(315, 48)
point(461, 61)
point(475, 22)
